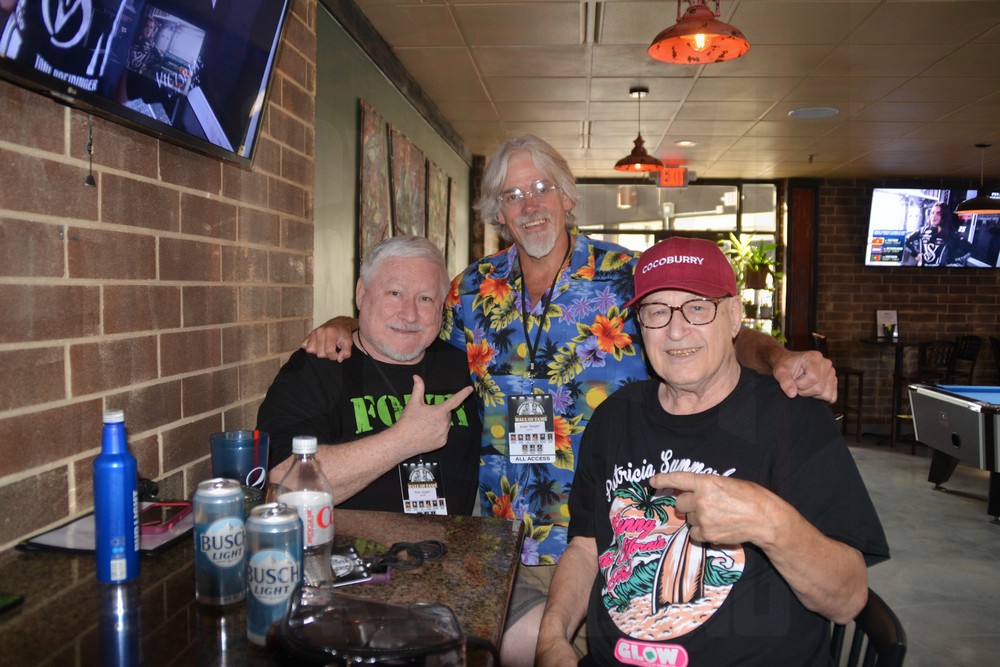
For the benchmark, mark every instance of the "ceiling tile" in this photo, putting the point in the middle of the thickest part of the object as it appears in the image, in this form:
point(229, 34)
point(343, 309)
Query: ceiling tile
point(922, 22)
point(739, 110)
point(969, 61)
point(915, 111)
point(772, 60)
point(852, 89)
point(533, 61)
point(880, 60)
point(649, 110)
point(525, 89)
point(985, 112)
point(456, 111)
point(661, 89)
point(955, 89)
point(415, 25)
point(793, 22)
point(633, 61)
point(520, 24)
point(541, 111)
point(741, 88)
point(722, 128)
point(434, 63)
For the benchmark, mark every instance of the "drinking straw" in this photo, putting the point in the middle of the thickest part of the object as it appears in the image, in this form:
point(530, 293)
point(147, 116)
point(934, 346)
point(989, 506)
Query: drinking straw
point(256, 448)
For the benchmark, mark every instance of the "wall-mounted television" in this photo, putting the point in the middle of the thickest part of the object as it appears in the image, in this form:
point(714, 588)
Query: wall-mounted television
point(192, 72)
point(919, 227)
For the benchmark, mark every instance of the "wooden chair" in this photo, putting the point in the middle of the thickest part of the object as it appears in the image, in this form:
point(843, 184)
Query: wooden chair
point(936, 362)
point(966, 355)
point(878, 638)
point(935, 365)
point(995, 346)
point(843, 407)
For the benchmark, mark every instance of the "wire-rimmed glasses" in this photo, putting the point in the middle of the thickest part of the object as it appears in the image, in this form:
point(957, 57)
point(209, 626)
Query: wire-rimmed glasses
point(515, 196)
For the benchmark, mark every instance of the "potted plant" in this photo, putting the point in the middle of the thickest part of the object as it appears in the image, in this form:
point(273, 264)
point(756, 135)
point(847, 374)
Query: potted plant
point(751, 262)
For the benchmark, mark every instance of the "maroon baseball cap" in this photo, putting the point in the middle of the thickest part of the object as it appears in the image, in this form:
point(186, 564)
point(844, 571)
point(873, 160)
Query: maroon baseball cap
point(686, 265)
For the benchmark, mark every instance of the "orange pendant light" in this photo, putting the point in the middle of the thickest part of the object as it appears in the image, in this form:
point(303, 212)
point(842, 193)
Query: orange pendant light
point(698, 38)
point(639, 160)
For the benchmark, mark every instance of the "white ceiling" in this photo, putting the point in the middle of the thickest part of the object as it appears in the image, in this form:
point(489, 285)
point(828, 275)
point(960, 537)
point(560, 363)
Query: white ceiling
point(917, 83)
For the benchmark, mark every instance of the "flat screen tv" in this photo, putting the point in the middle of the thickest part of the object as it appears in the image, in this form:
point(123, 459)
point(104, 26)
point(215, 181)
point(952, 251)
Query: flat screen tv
point(193, 72)
point(919, 227)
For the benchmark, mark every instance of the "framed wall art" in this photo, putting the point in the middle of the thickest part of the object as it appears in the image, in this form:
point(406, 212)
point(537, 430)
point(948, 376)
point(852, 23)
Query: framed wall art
point(437, 206)
point(451, 254)
point(374, 209)
point(408, 176)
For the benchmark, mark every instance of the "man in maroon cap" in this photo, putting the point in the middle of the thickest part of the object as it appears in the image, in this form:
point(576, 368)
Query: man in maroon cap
point(713, 520)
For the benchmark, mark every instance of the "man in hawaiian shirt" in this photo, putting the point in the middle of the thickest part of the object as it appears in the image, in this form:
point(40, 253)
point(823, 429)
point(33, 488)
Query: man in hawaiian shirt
point(545, 319)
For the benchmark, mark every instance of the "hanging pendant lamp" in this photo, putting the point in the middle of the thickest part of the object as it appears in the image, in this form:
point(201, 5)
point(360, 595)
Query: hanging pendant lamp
point(981, 204)
point(698, 38)
point(639, 160)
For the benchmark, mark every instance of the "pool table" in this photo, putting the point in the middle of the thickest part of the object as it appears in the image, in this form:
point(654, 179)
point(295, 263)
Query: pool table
point(961, 424)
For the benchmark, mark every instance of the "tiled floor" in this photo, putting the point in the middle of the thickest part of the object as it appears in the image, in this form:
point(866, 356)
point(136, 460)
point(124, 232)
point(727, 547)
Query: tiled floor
point(943, 579)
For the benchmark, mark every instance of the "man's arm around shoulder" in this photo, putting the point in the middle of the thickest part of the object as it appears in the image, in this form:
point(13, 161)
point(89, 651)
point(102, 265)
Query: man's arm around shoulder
point(799, 373)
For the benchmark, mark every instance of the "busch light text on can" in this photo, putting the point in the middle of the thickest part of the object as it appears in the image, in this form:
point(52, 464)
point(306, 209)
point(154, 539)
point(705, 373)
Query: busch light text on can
point(274, 566)
point(219, 542)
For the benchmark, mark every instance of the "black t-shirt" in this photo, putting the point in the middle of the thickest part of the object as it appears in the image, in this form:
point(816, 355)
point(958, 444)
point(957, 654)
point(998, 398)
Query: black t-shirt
point(658, 591)
point(340, 402)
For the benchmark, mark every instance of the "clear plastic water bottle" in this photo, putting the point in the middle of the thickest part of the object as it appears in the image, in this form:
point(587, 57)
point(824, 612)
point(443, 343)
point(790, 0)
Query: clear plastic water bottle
point(307, 489)
point(116, 504)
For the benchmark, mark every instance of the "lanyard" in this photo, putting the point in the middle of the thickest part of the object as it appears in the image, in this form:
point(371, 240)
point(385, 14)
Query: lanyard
point(385, 378)
point(546, 300)
point(388, 382)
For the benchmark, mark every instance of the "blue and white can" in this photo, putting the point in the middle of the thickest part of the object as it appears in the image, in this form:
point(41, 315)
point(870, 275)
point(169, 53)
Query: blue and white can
point(219, 539)
point(274, 566)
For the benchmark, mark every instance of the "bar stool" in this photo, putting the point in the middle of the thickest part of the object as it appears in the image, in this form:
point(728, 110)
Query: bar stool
point(843, 407)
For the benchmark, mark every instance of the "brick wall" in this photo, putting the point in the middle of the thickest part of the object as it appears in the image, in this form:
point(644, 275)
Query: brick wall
point(930, 303)
point(174, 289)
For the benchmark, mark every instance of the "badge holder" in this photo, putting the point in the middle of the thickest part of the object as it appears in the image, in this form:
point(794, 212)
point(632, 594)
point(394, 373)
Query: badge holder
point(530, 428)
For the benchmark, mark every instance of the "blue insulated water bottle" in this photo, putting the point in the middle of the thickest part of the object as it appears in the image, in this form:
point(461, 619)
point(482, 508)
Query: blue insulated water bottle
point(116, 504)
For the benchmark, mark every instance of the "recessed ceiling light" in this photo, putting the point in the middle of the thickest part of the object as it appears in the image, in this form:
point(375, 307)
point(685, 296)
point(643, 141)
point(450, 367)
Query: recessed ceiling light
point(812, 113)
point(686, 143)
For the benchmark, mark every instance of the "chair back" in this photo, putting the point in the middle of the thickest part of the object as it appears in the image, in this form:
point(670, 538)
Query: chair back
point(878, 638)
point(936, 361)
point(995, 344)
point(819, 344)
point(966, 355)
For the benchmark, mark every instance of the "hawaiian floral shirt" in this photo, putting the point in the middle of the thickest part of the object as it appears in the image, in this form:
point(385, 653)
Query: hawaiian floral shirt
point(588, 349)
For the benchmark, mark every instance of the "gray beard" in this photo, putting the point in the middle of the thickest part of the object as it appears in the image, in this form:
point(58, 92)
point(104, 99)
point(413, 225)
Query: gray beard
point(539, 247)
point(401, 357)
point(395, 355)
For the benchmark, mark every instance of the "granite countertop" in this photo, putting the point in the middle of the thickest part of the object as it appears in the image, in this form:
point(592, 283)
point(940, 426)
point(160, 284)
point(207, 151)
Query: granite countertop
point(64, 618)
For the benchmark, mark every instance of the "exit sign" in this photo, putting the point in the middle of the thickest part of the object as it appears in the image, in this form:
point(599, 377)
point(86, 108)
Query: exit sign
point(673, 177)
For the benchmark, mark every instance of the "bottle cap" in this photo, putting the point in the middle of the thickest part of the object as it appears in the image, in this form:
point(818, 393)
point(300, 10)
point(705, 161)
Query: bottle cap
point(304, 444)
point(114, 416)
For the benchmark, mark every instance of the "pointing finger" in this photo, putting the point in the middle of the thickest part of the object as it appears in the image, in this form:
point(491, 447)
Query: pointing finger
point(457, 398)
point(678, 481)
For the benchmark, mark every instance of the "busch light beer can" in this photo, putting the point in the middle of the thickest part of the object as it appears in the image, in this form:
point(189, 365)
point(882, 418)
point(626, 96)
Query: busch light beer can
point(219, 563)
point(274, 566)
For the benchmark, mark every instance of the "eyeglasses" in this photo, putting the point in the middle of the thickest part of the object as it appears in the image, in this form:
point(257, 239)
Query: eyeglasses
point(655, 315)
point(515, 196)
